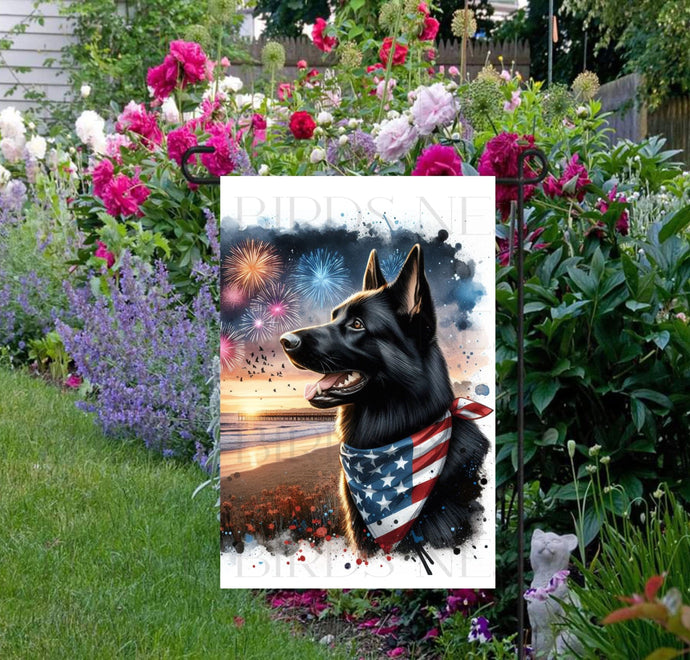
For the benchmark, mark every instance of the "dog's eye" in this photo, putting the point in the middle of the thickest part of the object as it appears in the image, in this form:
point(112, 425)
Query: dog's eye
point(357, 324)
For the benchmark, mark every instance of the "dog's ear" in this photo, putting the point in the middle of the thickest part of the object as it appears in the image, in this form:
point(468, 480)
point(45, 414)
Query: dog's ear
point(373, 277)
point(411, 289)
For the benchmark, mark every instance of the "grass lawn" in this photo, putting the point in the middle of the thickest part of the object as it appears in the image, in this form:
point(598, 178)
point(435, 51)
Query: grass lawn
point(102, 552)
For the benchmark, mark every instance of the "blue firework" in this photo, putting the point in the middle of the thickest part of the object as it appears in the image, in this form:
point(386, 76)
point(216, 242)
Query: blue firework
point(256, 324)
point(321, 277)
point(391, 265)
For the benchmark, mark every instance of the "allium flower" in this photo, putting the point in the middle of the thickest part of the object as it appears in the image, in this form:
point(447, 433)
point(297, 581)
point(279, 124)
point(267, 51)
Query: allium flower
point(399, 54)
point(125, 195)
point(500, 159)
point(438, 160)
point(395, 139)
point(302, 125)
point(186, 64)
point(36, 147)
point(224, 10)
point(169, 110)
point(102, 252)
point(134, 118)
point(585, 86)
point(11, 123)
point(179, 141)
point(464, 23)
point(321, 41)
point(273, 56)
point(430, 29)
point(221, 161)
point(350, 55)
point(89, 127)
point(102, 174)
point(433, 108)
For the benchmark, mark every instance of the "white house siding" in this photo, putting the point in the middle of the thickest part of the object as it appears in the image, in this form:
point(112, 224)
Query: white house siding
point(31, 49)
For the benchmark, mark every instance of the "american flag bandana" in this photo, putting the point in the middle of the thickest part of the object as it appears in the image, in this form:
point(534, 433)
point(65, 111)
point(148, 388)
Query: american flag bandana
point(390, 484)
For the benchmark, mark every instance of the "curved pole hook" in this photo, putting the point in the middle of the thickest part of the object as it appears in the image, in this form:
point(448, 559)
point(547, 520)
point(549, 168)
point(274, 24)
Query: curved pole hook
point(199, 180)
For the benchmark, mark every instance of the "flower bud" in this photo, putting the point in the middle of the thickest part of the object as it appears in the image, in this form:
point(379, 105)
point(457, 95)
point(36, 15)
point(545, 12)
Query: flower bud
point(317, 155)
point(571, 448)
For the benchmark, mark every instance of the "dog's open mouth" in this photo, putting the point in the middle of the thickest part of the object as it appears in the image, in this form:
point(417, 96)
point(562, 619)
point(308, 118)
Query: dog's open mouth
point(333, 386)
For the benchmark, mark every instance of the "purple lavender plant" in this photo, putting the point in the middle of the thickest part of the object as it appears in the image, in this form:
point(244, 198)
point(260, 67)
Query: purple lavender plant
point(148, 357)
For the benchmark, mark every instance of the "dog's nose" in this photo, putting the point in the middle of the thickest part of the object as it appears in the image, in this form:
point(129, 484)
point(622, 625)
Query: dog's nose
point(290, 341)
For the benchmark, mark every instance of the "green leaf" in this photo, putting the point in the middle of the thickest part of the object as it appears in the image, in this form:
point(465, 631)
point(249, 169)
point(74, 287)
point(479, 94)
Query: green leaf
point(675, 223)
point(586, 283)
point(550, 437)
point(653, 396)
point(591, 525)
point(664, 653)
point(661, 339)
point(543, 394)
point(635, 305)
point(639, 411)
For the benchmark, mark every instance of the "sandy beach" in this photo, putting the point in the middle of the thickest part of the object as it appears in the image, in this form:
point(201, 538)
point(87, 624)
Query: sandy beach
point(304, 462)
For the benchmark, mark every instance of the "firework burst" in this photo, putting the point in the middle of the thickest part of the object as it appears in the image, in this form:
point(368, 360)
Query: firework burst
point(251, 265)
point(256, 324)
point(281, 304)
point(232, 297)
point(231, 347)
point(391, 265)
point(321, 277)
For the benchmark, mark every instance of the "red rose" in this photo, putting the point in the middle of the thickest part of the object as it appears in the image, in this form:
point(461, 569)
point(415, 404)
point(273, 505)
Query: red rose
point(321, 41)
point(302, 125)
point(399, 56)
point(430, 29)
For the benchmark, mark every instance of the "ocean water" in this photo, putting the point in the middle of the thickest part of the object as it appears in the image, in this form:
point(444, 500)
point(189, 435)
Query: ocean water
point(255, 433)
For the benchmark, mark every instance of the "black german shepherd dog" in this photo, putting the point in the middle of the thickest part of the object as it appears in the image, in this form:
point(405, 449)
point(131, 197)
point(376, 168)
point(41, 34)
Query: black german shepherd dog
point(384, 369)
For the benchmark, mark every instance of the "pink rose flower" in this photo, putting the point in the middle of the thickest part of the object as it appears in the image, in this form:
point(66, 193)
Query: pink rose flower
point(321, 41)
point(433, 108)
point(179, 141)
point(135, 119)
point(125, 195)
point(453, 71)
point(102, 175)
point(430, 29)
point(186, 63)
point(438, 160)
point(395, 139)
point(102, 252)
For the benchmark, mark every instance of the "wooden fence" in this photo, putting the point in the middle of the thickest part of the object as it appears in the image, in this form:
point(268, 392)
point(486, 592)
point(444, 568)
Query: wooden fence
point(514, 53)
point(632, 120)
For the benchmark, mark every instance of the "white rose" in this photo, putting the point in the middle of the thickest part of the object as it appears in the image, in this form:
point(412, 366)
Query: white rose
point(85, 91)
point(317, 155)
point(324, 118)
point(263, 170)
point(169, 110)
point(36, 147)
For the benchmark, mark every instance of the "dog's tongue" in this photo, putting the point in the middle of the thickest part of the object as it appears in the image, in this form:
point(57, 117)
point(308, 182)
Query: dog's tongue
point(326, 382)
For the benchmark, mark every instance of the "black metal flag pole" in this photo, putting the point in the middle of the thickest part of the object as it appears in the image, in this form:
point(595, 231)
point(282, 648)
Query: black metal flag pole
point(520, 181)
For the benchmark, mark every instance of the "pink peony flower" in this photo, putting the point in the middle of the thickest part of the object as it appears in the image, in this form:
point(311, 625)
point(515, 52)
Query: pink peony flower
point(73, 381)
point(302, 125)
point(134, 118)
point(504, 253)
point(438, 160)
point(102, 175)
point(552, 187)
point(321, 41)
point(186, 63)
point(430, 29)
point(453, 71)
point(125, 195)
point(500, 159)
point(284, 91)
point(433, 108)
point(575, 178)
point(258, 122)
point(395, 139)
point(179, 141)
point(222, 160)
point(514, 102)
point(380, 88)
point(302, 64)
point(114, 142)
point(623, 220)
point(399, 54)
point(102, 252)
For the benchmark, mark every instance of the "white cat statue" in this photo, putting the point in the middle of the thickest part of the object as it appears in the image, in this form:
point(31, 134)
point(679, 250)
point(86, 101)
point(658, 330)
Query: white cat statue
point(549, 557)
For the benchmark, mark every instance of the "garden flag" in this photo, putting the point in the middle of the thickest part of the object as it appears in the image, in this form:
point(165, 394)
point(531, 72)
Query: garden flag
point(357, 353)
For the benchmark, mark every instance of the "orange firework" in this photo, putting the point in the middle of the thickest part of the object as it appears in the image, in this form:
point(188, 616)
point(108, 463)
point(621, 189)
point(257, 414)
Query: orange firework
point(251, 265)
